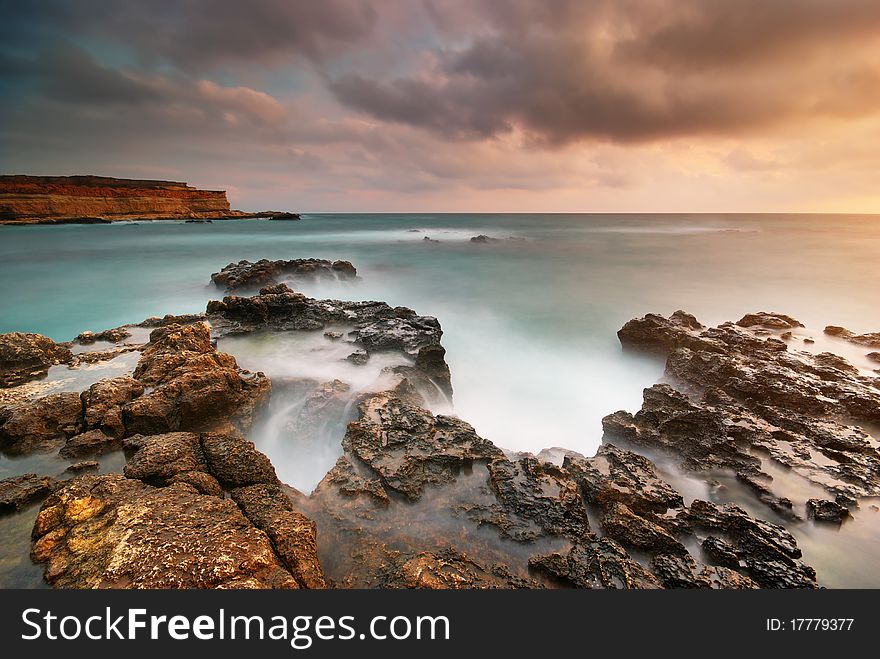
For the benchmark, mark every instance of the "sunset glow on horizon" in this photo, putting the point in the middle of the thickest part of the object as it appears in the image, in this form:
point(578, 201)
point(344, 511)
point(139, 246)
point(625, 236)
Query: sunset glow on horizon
point(454, 106)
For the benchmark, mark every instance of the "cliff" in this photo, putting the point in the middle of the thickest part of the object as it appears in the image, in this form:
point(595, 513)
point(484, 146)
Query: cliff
point(61, 199)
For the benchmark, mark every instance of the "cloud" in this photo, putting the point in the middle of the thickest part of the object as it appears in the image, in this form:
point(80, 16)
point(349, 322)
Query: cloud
point(636, 70)
point(198, 35)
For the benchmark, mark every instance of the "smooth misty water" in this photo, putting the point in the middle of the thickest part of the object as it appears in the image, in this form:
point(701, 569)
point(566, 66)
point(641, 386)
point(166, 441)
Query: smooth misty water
point(530, 320)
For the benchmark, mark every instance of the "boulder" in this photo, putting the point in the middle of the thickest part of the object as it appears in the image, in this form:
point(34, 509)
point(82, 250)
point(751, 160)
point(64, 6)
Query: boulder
point(42, 424)
point(115, 532)
point(18, 492)
point(26, 356)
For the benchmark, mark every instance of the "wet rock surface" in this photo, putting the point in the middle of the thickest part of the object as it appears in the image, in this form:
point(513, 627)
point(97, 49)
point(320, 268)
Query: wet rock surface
point(25, 356)
point(744, 399)
point(20, 491)
point(245, 275)
point(420, 500)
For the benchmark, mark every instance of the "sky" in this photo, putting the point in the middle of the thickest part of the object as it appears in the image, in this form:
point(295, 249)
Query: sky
point(455, 105)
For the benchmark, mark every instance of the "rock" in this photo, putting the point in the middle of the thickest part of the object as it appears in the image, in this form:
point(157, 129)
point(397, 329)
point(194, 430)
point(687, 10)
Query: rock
point(873, 356)
point(809, 341)
point(333, 336)
point(84, 465)
point(823, 510)
point(160, 458)
point(637, 532)
point(25, 357)
point(377, 326)
point(104, 400)
point(426, 239)
point(246, 275)
point(615, 475)
point(448, 570)
point(721, 552)
point(534, 500)
point(482, 238)
point(871, 339)
point(769, 320)
point(595, 564)
point(358, 357)
point(409, 447)
point(235, 462)
point(41, 424)
point(654, 333)
point(18, 492)
point(115, 335)
point(769, 552)
point(293, 535)
point(196, 388)
point(91, 442)
point(102, 199)
point(115, 532)
point(748, 395)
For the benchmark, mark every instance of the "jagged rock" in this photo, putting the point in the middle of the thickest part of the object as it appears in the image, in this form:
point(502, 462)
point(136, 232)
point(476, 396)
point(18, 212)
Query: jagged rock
point(196, 388)
point(247, 275)
point(18, 492)
point(104, 400)
point(482, 238)
point(293, 535)
point(409, 447)
point(871, 339)
point(160, 458)
point(600, 563)
point(447, 569)
point(91, 442)
point(534, 499)
point(654, 333)
point(358, 357)
point(769, 552)
point(235, 462)
point(873, 356)
point(25, 356)
point(769, 320)
point(682, 571)
point(827, 511)
point(617, 475)
point(115, 532)
point(637, 531)
point(41, 424)
point(84, 465)
point(721, 552)
point(115, 335)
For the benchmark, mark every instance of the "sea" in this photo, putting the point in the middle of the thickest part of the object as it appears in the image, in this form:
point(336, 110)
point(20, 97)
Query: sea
point(529, 314)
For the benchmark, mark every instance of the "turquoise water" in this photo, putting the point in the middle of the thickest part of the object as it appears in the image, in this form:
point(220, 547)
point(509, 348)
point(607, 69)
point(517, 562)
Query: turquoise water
point(529, 319)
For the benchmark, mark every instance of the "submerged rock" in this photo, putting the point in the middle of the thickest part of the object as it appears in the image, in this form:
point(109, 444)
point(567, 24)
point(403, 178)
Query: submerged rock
point(246, 275)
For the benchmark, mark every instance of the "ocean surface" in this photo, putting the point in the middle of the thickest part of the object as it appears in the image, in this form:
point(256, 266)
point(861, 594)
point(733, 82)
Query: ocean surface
point(529, 318)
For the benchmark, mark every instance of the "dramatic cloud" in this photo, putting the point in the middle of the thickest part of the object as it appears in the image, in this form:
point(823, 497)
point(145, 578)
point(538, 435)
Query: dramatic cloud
point(637, 70)
point(564, 105)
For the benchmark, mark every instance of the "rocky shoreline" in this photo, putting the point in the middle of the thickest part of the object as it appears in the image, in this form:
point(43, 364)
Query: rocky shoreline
point(418, 498)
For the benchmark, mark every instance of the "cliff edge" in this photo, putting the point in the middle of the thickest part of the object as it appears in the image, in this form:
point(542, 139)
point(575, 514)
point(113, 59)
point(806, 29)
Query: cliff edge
point(76, 199)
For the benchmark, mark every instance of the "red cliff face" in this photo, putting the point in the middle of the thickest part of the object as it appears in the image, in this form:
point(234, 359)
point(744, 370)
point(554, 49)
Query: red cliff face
point(27, 199)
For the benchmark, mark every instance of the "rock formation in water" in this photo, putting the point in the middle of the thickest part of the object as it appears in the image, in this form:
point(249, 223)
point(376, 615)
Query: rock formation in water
point(419, 499)
point(244, 275)
point(97, 199)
